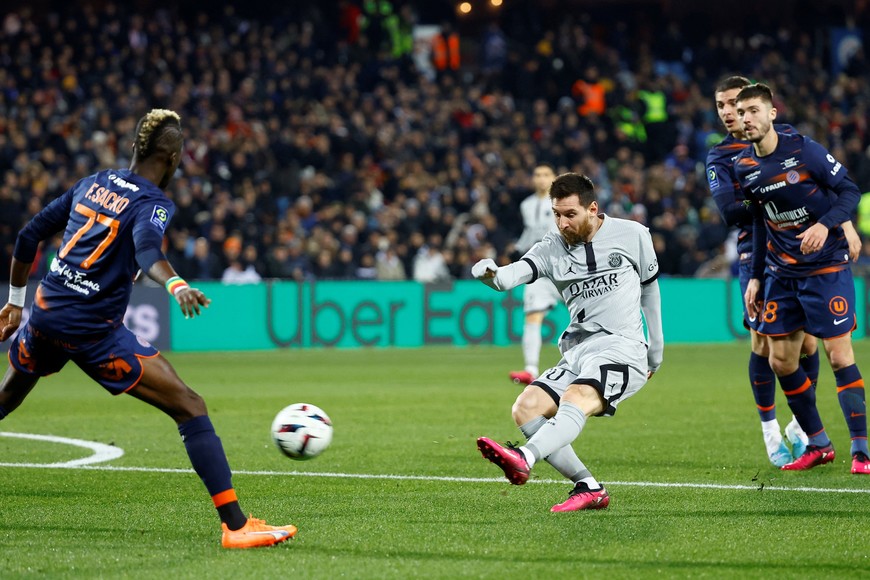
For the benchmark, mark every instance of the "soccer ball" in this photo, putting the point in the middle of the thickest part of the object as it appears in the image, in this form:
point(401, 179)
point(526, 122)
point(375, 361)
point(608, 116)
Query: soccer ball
point(302, 431)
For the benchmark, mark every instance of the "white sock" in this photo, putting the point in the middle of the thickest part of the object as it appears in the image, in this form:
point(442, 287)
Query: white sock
point(591, 482)
point(772, 435)
point(794, 429)
point(532, 347)
point(530, 458)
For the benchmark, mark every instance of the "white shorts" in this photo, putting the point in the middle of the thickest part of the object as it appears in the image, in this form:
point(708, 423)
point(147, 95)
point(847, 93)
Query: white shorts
point(540, 296)
point(615, 366)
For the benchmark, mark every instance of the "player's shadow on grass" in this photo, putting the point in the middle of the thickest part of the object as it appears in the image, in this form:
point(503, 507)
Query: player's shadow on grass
point(570, 557)
point(742, 513)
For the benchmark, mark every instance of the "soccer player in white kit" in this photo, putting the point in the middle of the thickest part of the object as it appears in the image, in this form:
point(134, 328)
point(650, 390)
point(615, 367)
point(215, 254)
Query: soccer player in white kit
point(540, 296)
point(605, 268)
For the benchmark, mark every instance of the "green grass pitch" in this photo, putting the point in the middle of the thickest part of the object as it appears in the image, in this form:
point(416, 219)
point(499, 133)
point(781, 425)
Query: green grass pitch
point(417, 413)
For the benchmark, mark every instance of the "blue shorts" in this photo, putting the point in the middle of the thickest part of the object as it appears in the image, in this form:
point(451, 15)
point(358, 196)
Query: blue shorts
point(822, 305)
point(114, 360)
point(745, 272)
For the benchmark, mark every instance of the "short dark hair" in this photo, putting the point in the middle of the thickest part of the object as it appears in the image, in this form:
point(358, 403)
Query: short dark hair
point(756, 91)
point(569, 184)
point(732, 82)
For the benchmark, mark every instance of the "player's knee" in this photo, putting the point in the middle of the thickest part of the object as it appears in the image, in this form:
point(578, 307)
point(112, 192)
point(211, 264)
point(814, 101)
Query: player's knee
point(760, 346)
point(535, 317)
point(783, 367)
point(187, 405)
point(527, 406)
point(195, 403)
point(810, 344)
point(841, 359)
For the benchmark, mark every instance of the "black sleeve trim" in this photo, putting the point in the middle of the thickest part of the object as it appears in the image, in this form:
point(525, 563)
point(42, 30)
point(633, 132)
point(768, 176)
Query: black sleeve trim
point(534, 269)
point(651, 280)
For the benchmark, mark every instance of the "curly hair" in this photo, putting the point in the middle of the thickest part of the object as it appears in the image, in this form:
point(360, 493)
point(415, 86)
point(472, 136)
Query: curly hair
point(159, 131)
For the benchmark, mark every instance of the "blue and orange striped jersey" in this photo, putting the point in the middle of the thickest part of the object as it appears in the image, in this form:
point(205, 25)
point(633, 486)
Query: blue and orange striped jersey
point(726, 190)
point(794, 188)
point(113, 224)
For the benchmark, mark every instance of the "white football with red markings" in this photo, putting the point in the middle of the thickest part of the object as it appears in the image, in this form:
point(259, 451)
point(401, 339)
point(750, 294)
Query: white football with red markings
point(302, 431)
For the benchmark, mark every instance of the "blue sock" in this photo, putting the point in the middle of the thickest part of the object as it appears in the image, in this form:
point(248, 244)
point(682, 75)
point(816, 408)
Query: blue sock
point(810, 364)
point(210, 463)
point(3, 412)
point(801, 398)
point(763, 383)
point(850, 392)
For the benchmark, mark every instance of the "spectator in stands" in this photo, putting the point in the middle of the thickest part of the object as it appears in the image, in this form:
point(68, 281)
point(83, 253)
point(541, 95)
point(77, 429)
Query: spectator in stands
point(310, 124)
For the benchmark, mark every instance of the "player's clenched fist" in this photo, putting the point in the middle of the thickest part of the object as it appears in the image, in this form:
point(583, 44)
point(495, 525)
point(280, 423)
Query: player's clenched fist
point(10, 320)
point(484, 269)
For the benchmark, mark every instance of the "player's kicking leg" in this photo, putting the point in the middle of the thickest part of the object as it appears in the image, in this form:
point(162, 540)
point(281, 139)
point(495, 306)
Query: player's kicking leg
point(161, 387)
point(551, 440)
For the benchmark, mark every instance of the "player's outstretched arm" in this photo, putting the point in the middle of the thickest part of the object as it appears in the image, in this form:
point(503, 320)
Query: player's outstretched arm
point(10, 315)
point(189, 299)
point(503, 278)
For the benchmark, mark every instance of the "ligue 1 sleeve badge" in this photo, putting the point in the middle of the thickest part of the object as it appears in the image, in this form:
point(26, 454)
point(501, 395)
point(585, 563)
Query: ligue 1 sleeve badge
point(160, 217)
point(712, 177)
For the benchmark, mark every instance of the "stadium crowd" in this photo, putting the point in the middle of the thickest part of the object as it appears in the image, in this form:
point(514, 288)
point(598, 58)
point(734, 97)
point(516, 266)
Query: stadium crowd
point(326, 143)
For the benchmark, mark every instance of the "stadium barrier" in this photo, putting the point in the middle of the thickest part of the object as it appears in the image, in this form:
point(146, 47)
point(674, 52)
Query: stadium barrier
point(282, 314)
point(353, 314)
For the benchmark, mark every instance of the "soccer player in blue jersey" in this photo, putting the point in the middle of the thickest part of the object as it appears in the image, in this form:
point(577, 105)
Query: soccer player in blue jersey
point(730, 200)
point(801, 254)
point(113, 224)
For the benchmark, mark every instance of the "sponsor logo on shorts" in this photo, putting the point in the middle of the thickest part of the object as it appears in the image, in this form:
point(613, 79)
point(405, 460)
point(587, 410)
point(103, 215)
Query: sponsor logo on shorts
point(840, 321)
point(838, 306)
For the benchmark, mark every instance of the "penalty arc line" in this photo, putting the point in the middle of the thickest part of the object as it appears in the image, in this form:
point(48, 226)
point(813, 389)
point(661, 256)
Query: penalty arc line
point(449, 479)
point(101, 451)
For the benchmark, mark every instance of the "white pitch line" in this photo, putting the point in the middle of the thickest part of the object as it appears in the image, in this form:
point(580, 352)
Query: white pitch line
point(101, 451)
point(388, 476)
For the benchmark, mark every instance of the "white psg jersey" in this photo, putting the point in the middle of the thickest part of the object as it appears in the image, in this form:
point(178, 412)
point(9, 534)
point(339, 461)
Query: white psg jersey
point(600, 281)
point(538, 220)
